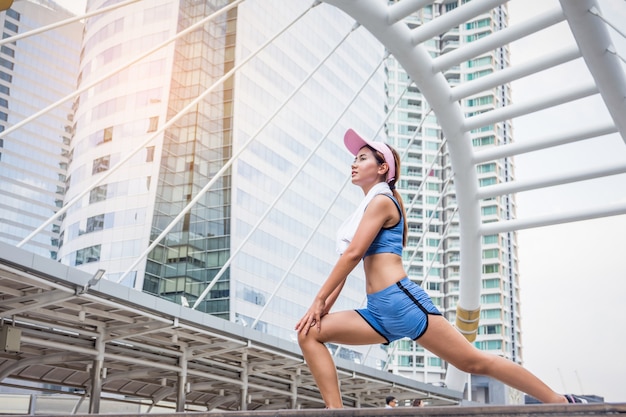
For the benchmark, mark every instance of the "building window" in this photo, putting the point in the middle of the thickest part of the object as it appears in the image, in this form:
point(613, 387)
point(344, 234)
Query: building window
point(486, 168)
point(478, 24)
point(101, 164)
point(150, 154)
point(7, 51)
point(490, 239)
point(433, 243)
point(108, 108)
point(489, 345)
point(144, 98)
point(153, 124)
point(405, 345)
point(405, 360)
point(480, 101)
point(87, 255)
point(434, 362)
point(493, 313)
point(253, 296)
point(6, 63)
point(491, 254)
point(95, 223)
point(10, 26)
point(490, 329)
point(491, 283)
point(99, 193)
point(490, 299)
point(484, 141)
point(13, 14)
point(108, 134)
point(483, 182)
point(109, 55)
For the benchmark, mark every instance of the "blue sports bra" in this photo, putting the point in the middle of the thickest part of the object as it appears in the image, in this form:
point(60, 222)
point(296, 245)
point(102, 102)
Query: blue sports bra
point(388, 239)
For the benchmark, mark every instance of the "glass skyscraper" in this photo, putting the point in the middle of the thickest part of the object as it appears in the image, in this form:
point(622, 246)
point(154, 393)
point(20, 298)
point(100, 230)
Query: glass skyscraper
point(35, 71)
point(256, 246)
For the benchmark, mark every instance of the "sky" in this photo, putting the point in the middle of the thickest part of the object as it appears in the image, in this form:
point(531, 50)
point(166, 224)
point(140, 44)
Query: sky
point(573, 276)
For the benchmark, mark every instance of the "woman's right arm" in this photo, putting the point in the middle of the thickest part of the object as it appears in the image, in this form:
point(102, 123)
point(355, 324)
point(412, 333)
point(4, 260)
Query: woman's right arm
point(378, 212)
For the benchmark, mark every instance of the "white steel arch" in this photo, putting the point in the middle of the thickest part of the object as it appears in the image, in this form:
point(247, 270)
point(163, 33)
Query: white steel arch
point(594, 45)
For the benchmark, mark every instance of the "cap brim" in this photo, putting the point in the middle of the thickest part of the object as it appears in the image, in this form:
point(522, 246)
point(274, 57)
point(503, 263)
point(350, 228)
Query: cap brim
point(354, 142)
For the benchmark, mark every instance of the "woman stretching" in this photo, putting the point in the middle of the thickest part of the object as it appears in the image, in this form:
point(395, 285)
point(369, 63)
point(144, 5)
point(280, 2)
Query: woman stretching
point(396, 307)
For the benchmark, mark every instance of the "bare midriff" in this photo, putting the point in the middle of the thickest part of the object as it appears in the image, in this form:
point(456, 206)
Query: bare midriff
point(382, 270)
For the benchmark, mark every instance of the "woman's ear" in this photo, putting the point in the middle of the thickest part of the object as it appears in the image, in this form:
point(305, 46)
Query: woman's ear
point(383, 168)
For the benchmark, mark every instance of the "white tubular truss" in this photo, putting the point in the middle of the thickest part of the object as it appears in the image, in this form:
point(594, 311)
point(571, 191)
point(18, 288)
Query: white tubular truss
point(593, 44)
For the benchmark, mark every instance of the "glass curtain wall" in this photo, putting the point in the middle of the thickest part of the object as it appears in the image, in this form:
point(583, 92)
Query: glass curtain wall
point(35, 72)
point(195, 148)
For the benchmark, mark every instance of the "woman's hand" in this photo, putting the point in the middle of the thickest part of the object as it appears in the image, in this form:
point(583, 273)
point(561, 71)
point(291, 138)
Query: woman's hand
point(313, 317)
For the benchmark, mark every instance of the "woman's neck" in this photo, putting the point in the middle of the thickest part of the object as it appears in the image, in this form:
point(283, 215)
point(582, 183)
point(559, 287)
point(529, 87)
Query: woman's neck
point(378, 186)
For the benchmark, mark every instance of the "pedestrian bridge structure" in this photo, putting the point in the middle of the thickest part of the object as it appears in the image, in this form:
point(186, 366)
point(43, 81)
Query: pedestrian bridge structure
point(100, 337)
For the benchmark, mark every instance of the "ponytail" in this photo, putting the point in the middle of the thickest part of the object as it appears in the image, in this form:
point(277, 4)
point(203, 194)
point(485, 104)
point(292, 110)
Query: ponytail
point(380, 157)
point(397, 196)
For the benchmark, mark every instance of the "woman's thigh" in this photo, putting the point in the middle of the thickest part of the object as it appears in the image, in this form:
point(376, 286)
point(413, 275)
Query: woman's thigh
point(347, 328)
point(445, 341)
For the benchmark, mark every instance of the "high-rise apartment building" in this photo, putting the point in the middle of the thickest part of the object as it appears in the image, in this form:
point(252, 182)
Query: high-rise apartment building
point(432, 255)
point(256, 246)
point(413, 129)
point(35, 71)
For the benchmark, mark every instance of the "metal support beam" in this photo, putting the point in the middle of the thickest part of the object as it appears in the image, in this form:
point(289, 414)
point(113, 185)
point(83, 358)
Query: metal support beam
point(560, 178)
point(517, 72)
point(181, 384)
point(553, 219)
point(497, 39)
point(522, 108)
point(297, 378)
point(41, 300)
point(97, 370)
point(545, 142)
point(594, 41)
point(452, 19)
point(244, 381)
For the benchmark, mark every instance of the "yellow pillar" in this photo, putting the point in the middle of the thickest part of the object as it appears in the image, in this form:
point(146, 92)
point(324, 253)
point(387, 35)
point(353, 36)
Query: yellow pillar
point(5, 4)
point(467, 322)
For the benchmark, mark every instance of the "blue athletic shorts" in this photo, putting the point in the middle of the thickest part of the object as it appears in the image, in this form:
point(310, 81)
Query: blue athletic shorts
point(400, 310)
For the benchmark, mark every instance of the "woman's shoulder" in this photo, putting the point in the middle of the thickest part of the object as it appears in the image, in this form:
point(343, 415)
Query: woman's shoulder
point(383, 202)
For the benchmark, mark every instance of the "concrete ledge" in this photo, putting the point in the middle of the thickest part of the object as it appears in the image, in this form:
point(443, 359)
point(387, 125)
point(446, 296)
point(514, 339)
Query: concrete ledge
point(532, 410)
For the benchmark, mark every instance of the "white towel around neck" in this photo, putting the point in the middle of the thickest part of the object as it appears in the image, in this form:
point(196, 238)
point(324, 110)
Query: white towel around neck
point(348, 228)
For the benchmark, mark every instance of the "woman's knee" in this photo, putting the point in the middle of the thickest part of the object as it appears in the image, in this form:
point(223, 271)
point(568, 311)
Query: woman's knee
point(302, 338)
point(479, 364)
point(305, 339)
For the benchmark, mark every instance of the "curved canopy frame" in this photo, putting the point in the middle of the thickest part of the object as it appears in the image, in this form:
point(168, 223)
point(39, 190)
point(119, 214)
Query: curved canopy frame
point(593, 44)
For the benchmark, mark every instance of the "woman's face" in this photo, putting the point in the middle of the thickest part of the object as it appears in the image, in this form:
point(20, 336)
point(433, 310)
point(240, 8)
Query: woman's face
point(366, 169)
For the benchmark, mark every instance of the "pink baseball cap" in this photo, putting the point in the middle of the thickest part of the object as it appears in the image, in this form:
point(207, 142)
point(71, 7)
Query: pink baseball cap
point(354, 143)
